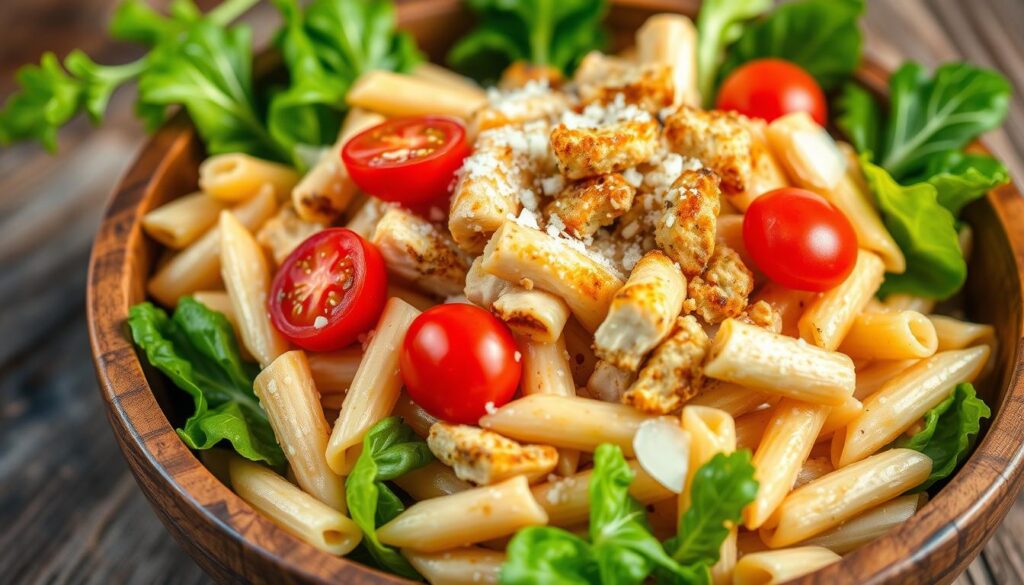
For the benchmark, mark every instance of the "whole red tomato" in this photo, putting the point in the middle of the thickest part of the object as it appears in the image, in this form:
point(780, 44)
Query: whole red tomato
point(771, 88)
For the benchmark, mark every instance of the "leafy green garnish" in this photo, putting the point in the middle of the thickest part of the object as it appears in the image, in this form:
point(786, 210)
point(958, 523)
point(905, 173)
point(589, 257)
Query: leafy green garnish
point(197, 350)
point(541, 32)
point(821, 36)
point(390, 450)
point(960, 178)
point(950, 430)
point(719, 24)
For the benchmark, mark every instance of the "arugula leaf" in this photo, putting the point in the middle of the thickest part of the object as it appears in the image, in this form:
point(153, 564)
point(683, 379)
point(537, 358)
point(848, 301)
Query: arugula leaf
point(924, 230)
point(960, 178)
point(390, 449)
point(542, 32)
point(197, 350)
point(542, 555)
point(950, 430)
point(719, 24)
point(354, 36)
point(721, 488)
point(859, 117)
point(821, 36)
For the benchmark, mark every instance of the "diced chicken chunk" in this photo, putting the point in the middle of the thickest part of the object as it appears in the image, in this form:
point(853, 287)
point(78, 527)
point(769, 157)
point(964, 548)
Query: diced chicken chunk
point(284, 232)
point(643, 312)
point(686, 230)
point(588, 205)
point(604, 140)
point(722, 291)
point(485, 457)
point(672, 375)
point(608, 382)
point(418, 251)
point(482, 288)
point(762, 315)
point(719, 139)
point(521, 73)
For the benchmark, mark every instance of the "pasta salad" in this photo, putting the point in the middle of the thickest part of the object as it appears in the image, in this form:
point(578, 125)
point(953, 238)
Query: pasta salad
point(618, 317)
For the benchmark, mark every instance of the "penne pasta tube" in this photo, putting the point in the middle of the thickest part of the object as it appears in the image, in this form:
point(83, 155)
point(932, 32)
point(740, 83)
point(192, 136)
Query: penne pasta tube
point(395, 94)
point(671, 39)
point(780, 566)
point(748, 542)
point(901, 302)
point(528, 256)
point(788, 437)
point(433, 480)
point(581, 355)
point(247, 279)
point(871, 376)
point(890, 336)
point(288, 395)
point(414, 249)
point(789, 304)
point(839, 417)
point(461, 566)
point(333, 372)
point(299, 513)
point(956, 334)
point(236, 177)
point(374, 391)
point(197, 267)
point(853, 198)
point(546, 371)
point(807, 152)
point(816, 508)
point(776, 364)
point(465, 518)
point(902, 401)
point(537, 315)
point(181, 221)
point(414, 415)
point(421, 301)
point(812, 469)
point(828, 319)
point(569, 422)
point(326, 191)
point(750, 428)
point(567, 500)
point(732, 398)
point(609, 383)
point(867, 526)
point(439, 75)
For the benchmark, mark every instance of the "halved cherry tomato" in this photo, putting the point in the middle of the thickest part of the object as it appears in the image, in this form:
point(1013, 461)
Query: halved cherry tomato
point(771, 88)
point(328, 291)
point(799, 239)
point(456, 359)
point(411, 161)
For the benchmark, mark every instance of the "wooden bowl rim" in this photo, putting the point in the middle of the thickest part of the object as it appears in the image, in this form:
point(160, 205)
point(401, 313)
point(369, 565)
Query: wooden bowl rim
point(981, 492)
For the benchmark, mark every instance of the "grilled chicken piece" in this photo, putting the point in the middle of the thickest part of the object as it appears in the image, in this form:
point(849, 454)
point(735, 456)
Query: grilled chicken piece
point(533, 101)
point(284, 232)
point(604, 139)
point(483, 288)
point(722, 291)
point(588, 205)
point(686, 230)
point(762, 315)
point(521, 73)
point(485, 457)
point(672, 375)
point(609, 383)
point(418, 251)
point(721, 140)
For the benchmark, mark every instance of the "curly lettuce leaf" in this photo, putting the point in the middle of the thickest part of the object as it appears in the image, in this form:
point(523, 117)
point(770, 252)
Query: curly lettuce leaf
point(390, 450)
point(960, 178)
point(821, 36)
point(949, 432)
point(197, 350)
point(719, 24)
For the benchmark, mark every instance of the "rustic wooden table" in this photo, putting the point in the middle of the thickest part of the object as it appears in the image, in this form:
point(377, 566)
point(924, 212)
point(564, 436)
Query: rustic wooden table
point(69, 508)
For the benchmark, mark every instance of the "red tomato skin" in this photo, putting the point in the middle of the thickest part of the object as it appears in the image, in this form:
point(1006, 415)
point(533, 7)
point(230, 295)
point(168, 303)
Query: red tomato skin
point(771, 88)
point(362, 304)
point(455, 359)
point(418, 184)
point(799, 240)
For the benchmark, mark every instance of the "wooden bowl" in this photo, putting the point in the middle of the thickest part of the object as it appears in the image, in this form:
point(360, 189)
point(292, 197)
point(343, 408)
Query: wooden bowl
point(233, 542)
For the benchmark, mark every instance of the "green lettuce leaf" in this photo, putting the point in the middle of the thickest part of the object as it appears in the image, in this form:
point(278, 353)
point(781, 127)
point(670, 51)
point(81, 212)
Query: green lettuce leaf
point(859, 117)
point(543, 555)
point(821, 36)
point(719, 24)
point(960, 178)
point(390, 449)
point(924, 230)
point(949, 432)
point(197, 350)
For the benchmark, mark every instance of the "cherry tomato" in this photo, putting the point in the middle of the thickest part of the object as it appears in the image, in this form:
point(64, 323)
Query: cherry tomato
point(411, 161)
point(770, 89)
point(455, 359)
point(799, 239)
point(328, 291)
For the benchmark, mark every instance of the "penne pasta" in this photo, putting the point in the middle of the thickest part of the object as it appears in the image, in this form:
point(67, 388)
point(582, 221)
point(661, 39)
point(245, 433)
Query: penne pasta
point(671, 39)
point(181, 221)
point(812, 469)
point(288, 394)
point(871, 376)
point(441, 76)
point(465, 518)
point(567, 500)
point(421, 301)
point(839, 417)
point(374, 391)
point(333, 372)
point(581, 355)
point(807, 152)
point(868, 526)
point(815, 507)
point(828, 318)
point(956, 334)
point(414, 415)
point(533, 258)
point(197, 267)
point(236, 177)
point(534, 314)
point(732, 398)
point(433, 480)
point(569, 422)
point(789, 304)
point(890, 336)
point(461, 566)
point(299, 513)
point(395, 94)
point(750, 428)
point(609, 383)
point(902, 401)
point(546, 371)
point(780, 566)
point(364, 221)
point(247, 279)
point(776, 364)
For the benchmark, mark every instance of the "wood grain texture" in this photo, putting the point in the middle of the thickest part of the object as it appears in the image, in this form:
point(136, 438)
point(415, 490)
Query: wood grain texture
point(69, 509)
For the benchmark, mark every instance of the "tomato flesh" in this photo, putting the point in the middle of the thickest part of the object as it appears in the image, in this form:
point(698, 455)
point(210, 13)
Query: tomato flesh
point(771, 88)
point(799, 239)
point(328, 291)
point(456, 359)
point(411, 161)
